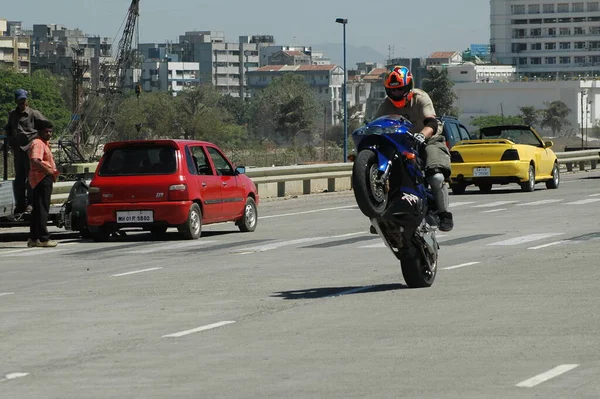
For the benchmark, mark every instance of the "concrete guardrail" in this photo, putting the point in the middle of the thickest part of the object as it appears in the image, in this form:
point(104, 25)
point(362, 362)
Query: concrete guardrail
point(280, 181)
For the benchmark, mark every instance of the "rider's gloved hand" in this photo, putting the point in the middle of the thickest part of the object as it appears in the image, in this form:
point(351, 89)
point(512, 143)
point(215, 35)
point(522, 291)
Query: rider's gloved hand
point(420, 137)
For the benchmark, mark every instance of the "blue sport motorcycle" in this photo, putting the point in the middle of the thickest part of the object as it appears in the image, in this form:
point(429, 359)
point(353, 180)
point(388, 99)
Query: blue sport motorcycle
point(391, 190)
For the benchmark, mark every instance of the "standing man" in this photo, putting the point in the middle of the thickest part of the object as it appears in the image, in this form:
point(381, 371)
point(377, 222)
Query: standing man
point(20, 131)
point(42, 176)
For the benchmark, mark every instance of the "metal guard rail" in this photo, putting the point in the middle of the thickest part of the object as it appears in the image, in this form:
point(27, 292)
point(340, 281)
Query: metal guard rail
point(333, 171)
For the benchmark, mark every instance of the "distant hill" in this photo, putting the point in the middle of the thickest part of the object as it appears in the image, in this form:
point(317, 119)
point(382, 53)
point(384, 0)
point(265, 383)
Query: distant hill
point(354, 54)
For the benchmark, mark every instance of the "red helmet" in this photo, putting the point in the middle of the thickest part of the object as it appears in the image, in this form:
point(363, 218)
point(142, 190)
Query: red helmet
point(399, 85)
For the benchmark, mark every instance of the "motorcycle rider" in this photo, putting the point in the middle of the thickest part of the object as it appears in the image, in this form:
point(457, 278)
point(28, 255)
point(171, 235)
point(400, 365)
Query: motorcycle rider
point(416, 106)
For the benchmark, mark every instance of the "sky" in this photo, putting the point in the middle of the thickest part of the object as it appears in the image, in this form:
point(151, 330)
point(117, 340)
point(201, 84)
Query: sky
point(416, 30)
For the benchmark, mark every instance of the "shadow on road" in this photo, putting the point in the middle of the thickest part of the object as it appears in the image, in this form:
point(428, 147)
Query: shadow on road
point(129, 236)
point(314, 293)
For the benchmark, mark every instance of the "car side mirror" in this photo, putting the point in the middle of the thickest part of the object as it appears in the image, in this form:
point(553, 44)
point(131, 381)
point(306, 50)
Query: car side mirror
point(240, 170)
point(548, 144)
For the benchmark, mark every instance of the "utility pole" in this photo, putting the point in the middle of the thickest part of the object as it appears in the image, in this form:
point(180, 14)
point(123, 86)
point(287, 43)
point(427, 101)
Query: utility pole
point(79, 67)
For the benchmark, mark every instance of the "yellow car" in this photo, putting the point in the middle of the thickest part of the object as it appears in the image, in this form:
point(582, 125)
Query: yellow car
point(502, 155)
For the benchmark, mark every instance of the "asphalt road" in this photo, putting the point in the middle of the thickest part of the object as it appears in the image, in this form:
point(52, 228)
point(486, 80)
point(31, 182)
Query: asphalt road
point(312, 305)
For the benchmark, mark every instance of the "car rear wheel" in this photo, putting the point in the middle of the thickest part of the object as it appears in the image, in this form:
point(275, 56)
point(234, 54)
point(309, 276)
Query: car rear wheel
point(192, 228)
point(458, 189)
point(250, 217)
point(485, 188)
point(555, 181)
point(529, 185)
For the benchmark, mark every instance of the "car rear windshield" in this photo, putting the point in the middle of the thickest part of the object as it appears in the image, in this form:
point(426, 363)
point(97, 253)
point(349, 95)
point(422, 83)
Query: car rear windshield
point(517, 135)
point(139, 160)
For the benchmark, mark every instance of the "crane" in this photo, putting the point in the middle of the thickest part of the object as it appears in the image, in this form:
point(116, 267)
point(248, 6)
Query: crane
point(109, 92)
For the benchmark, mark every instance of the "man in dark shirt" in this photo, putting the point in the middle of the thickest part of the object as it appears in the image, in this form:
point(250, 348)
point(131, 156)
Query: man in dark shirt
point(20, 131)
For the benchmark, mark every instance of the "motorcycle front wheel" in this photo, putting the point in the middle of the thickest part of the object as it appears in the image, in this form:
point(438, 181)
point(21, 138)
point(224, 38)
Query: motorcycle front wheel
point(370, 192)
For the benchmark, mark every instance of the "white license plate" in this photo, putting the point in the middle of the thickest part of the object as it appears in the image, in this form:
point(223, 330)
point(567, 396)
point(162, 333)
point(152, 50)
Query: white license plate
point(481, 172)
point(135, 217)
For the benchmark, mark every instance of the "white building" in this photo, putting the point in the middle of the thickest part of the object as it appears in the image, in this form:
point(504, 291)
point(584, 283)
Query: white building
point(478, 99)
point(165, 76)
point(547, 39)
point(481, 73)
point(325, 80)
point(223, 64)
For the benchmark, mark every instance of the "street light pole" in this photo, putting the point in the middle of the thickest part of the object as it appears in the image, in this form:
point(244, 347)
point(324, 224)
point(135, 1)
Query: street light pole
point(583, 93)
point(344, 21)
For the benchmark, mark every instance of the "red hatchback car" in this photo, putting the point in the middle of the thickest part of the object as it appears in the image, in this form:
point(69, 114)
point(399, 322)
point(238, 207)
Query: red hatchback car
point(157, 184)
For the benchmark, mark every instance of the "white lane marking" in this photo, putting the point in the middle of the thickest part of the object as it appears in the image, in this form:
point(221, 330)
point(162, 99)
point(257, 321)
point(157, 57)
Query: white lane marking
point(538, 379)
point(276, 245)
point(462, 265)
point(199, 329)
point(524, 239)
point(6, 293)
point(583, 202)
point(595, 195)
point(180, 245)
point(136, 272)
point(12, 376)
point(455, 204)
point(542, 202)
point(305, 212)
point(495, 204)
point(352, 291)
point(547, 245)
point(495, 210)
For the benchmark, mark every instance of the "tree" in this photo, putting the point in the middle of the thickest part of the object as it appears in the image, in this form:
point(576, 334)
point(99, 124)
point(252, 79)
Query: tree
point(555, 116)
point(439, 87)
point(44, 95)
point(283, 109)
point(530, 115)
point(336, 133)
point(495, 120)
point(237, 108)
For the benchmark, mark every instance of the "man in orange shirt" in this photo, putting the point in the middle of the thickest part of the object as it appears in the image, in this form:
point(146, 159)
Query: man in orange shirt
point(42, 175)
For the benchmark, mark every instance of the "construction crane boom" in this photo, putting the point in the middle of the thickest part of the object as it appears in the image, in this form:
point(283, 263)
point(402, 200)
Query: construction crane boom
point(125, 59)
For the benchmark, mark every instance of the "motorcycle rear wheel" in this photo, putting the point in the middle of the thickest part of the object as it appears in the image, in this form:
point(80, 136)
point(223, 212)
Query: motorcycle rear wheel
point(371, 196)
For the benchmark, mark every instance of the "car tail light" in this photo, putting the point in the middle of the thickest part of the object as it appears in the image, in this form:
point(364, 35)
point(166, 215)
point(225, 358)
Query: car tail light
point(94, 195)
point(510, 155)
point(178, 192)
point(455, 157)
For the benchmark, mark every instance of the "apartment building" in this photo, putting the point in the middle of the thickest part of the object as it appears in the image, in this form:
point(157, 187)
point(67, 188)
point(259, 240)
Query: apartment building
point(222, 64)
point(546, 39)
point(164, 76)
point(15, 49)
point(54, 47)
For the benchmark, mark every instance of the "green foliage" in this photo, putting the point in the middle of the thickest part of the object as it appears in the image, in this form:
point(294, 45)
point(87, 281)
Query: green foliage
point(555, 116)
point(284, 108)
point(44, 95)
point(336, 133)
point(530, 115)
point(237, 108)
point(439, 87)
point(496, 120)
